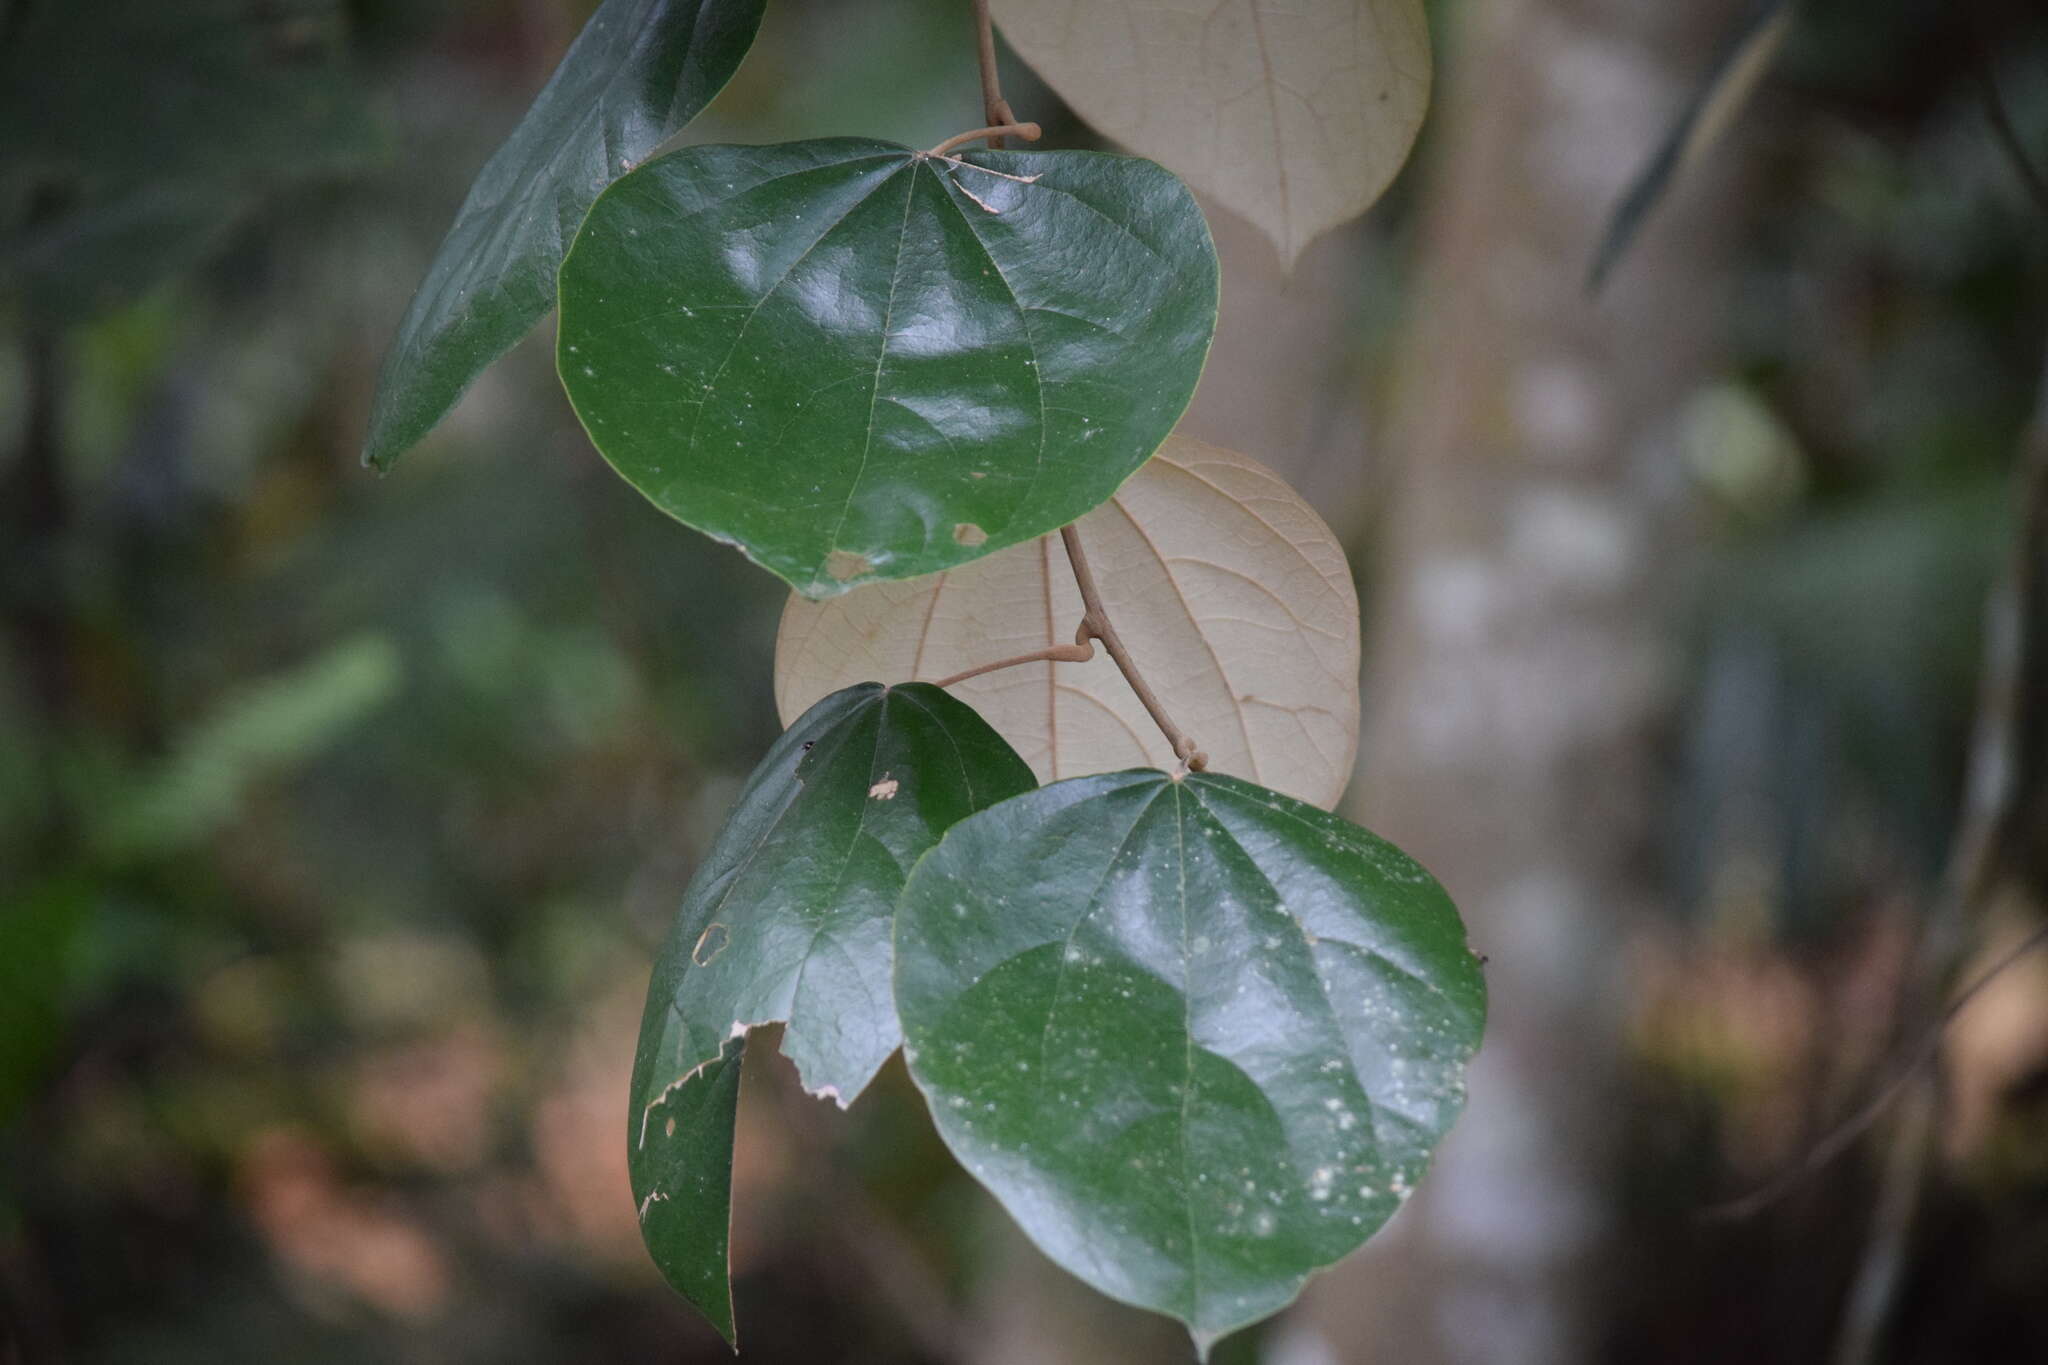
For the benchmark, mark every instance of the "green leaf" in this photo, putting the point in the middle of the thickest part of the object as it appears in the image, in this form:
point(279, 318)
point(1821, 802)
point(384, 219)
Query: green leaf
point(790, 917)
point(1198, 1037)
point(683, 1181)
point(789, 920)
point(853, 360)
point(259, 732)
point(640, 70)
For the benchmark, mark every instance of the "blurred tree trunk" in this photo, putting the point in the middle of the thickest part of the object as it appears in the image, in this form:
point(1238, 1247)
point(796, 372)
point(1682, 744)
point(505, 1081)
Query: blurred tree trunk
point(1517, 676)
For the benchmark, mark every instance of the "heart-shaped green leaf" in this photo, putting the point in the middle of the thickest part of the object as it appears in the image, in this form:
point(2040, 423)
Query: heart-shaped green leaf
point(789, 919)
point(853, 360)
point(640, 70)
point(1198, 1037)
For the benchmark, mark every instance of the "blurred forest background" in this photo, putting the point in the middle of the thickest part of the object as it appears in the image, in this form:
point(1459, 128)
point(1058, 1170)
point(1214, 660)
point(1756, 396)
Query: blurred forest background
point(339, 816)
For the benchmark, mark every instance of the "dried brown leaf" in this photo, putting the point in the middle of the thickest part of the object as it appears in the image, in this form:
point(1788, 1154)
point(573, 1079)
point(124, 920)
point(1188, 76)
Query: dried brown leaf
point(1232, 594)
point(1295, 113)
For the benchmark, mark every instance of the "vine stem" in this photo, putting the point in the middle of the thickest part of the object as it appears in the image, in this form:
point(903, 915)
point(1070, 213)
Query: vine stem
point(994, 107)
point(2001, 783)
point(1843, 1135)
point(1079, 653)
point(1096, 625)
point(995, 133)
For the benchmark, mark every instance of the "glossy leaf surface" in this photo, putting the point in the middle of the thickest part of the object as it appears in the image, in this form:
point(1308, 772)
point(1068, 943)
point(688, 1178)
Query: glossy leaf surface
point(853, 360)
point(789, 919)
point(1200, 1039)
point(640, 70)
point(1294, 113)
point(1231, 592)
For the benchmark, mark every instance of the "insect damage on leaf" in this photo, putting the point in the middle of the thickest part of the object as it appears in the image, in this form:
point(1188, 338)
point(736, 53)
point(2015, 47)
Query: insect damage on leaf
point(845, 566)
point(790, 920)
point(710, 944)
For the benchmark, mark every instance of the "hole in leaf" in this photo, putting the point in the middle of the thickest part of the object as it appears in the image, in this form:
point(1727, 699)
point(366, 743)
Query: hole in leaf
point(845, 564)
point(710, 944)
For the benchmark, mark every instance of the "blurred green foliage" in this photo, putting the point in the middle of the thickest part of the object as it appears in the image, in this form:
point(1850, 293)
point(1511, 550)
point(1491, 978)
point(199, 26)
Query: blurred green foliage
point(193, 113)
point(1888, 332)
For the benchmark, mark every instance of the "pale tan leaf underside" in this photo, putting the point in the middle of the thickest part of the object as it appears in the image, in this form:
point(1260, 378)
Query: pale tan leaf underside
point(1231, 593)
point(1295, 113)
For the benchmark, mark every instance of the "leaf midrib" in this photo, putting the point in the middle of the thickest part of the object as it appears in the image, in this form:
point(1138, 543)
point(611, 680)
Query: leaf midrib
point(867, 445)
point(1282, 907)
point(711, 385)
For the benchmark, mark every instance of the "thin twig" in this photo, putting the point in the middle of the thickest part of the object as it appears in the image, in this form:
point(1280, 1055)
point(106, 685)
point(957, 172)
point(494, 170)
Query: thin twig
point(1844, 1134)
point(1028, 131)
point(2000, 781)
point(1995, 788)
point(1883, 1263)
point(1060, 654)
point(994, 107)
point(1095, 624)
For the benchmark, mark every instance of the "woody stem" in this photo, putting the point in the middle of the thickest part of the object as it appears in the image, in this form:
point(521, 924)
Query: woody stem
point(1096, 625)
